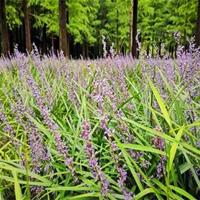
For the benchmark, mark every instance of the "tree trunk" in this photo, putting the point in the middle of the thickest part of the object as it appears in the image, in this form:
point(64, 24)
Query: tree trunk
point(197, 38)
point(4, 29)
point(44, 39)
point(11, 40)
point(117, 32)
point(63, 44)
point(169, 49)
point(172, 53)
point(130, 32)
point(83, 50)
point(87, 50)
point(100, 49)
point(175, 50)
point(52, 43)
point(148, 49)
point(68, 35)
point(21, 38)
point(159, 49)
point(26, 10)
point(134, 28)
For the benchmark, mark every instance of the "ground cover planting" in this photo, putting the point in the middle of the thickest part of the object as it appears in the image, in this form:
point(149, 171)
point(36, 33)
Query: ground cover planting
point(112, 128)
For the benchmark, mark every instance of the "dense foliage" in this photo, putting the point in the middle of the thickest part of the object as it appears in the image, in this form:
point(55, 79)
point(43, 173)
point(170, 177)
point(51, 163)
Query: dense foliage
point(88, 20)
point(113, 128)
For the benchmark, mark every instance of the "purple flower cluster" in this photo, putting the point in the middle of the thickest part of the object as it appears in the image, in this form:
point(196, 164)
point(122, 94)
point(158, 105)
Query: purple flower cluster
point(136, 155)
point(103, 92)
point(159, 143)
point(107, 86)
point(39, 153)
point(160, 169)
point(40, 156)
point(93, 162)
point(122, 174)
point(71, 89)
point(41, 71)
point(121, 181)
point(53, 127)
point(8, 128)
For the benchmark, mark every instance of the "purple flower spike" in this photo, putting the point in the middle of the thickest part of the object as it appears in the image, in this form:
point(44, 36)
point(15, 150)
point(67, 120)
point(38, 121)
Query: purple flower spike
point(93, 161)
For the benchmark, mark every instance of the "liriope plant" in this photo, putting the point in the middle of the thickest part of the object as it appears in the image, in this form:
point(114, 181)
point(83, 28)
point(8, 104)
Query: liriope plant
point(99, 129)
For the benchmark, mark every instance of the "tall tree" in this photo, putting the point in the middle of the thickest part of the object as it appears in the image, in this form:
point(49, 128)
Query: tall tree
point(134, 28)
point(62, 28)
point(26, 10)
point(115, 23)
point(197, 37)
point(4, 28)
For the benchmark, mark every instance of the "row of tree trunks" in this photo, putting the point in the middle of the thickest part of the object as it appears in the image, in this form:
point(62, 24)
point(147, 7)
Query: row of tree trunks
point(9, 39)
point(4, 29)
point(134, 30)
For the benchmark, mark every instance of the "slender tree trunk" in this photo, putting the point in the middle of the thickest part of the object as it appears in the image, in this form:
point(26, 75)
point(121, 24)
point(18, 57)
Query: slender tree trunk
point(52, 43)
point(11, 40)
point(130, 32)
point(0, 43)
point(134, 28)
point(87, 50)
point(100, 49)
point(175, 51)
point(21, 38)
point(197, 38)
point(68, 35)
point(26, 10)
point(117, 31)
point(44, 39)
point(169, 49)
point(172, 54)
point(63, 45)
point(159, 49)
point(148, 49)
point(83, 50)
point(4, 29)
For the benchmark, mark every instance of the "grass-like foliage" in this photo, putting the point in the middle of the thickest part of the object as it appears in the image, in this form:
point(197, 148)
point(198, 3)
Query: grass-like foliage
point(105, 129)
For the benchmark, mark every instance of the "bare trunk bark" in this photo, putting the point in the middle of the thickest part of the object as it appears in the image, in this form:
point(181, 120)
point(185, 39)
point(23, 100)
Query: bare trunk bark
point(83, 50)
point(63, 39)
point(160, 49)
point(197, 38)
point(148, 49)
point(26, 10)
point(44, 38)
point(87, 50)
point(134, 28)
point(4, 29)
point(130, 32)
point(117, 31)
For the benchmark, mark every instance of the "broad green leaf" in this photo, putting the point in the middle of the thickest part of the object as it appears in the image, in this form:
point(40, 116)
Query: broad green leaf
point(143, 148)
point(18, 192)
point(143, 193)
point(182, 192)
point(161, 103)
point(173, 149)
